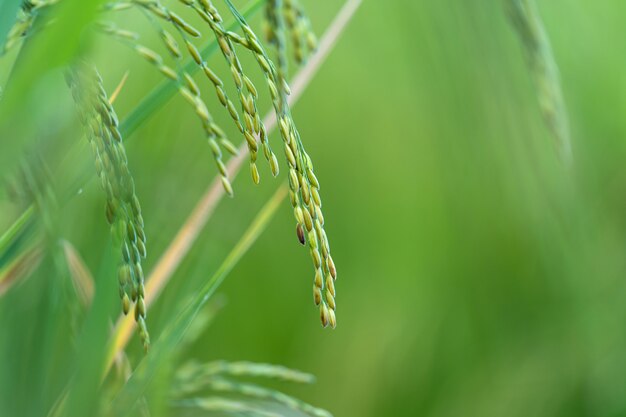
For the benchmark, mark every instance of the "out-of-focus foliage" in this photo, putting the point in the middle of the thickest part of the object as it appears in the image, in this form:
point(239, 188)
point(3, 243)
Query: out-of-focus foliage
point(479, 277)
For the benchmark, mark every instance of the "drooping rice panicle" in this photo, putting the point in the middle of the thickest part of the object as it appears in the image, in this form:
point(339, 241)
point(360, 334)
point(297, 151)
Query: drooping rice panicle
point(187, 89)
point(123, 210)
point(247, 96)
point(247, 93)
point(304, 187)
point(303, 184)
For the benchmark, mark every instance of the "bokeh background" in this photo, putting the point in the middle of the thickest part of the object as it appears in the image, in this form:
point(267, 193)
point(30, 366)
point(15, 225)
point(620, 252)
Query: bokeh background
point(478, 276)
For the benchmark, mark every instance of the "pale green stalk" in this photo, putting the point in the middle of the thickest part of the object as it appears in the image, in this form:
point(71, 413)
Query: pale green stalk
point(544, 72)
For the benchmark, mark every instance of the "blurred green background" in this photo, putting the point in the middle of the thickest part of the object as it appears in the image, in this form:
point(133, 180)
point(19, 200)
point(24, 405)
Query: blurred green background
point(476, 275)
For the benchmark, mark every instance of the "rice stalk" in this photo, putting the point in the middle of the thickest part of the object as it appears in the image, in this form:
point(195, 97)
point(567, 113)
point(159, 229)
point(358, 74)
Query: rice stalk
point(131, 277)
point(189, 231)
point(123, 210)
point(246, 91)
point(188, 89)
point(304, 185)
point(544, 72)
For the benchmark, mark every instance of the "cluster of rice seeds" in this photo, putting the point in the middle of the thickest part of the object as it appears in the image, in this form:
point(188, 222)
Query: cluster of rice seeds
point(123, 211)
point(304, 187)
point(216, 137)
point(189, 90)
point(307, 205)
point(245, 88)
point(302, 36)
point(253, 126)
point(303, 184)
point(274, 35)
